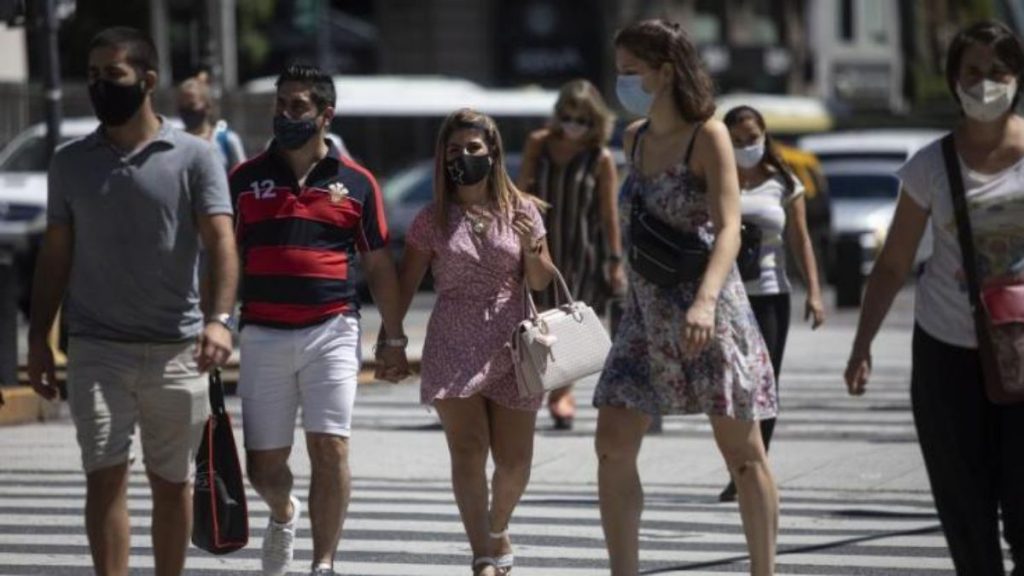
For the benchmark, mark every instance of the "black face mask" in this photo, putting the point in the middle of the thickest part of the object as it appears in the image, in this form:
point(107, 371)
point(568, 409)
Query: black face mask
point(293, 134)
point(468, 169)
point(192, 118)
point(115, 103)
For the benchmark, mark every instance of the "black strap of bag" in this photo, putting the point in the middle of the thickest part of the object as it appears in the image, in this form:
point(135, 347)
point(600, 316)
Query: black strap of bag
point(217, 407)
point(220, 511)
point(658, 251)
point(987, 356)
point(963, 228)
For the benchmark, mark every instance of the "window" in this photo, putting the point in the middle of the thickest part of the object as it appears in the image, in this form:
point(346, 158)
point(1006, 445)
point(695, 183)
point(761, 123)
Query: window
point(846, 20)
point(874, 26)
point(29, 157)
point(864, 186)
point(754, 23)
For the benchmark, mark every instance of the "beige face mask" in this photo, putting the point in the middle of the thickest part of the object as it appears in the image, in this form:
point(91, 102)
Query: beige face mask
point(987, 100)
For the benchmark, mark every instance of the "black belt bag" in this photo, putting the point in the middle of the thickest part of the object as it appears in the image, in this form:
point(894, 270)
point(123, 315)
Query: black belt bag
point(661, 254)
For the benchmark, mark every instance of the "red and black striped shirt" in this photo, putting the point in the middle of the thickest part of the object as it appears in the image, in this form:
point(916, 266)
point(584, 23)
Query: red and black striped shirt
point(297, 242)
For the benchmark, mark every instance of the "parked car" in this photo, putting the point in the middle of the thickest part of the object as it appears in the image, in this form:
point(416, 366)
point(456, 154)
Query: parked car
point(860, 170)
point(23, 196)
point(23, 167)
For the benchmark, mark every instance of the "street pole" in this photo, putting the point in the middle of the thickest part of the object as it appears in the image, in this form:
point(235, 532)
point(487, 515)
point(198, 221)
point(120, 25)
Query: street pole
point(161, 38)
point(220, 45)
point(324, 49)
point(46, 21)
point(228, 44)
point(51, 82)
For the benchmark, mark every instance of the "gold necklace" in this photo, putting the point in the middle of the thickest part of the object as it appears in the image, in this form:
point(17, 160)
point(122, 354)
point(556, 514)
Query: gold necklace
point(477, 225)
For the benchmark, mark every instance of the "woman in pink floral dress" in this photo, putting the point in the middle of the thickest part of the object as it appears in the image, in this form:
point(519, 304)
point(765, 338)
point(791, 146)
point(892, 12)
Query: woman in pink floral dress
point(693, 347)
point(481, 238)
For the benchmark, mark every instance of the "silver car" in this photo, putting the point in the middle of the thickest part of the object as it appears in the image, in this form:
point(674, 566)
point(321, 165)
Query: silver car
point(860, 168)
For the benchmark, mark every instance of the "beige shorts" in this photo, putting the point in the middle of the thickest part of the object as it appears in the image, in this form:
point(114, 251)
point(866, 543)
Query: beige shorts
point(114, 385)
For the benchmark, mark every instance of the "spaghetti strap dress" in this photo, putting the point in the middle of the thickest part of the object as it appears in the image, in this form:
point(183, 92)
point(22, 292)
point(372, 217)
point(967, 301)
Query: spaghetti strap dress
point(646, 369)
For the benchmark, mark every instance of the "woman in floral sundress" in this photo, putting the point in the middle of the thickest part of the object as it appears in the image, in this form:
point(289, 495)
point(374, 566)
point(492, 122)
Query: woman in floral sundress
point(694, 348)
point(483, 239)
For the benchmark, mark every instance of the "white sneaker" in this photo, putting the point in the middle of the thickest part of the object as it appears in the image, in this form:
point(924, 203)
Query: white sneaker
point(279, 542)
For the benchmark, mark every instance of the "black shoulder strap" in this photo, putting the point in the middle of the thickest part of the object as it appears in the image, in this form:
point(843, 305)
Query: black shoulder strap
point(963, 219)
point(693, 140)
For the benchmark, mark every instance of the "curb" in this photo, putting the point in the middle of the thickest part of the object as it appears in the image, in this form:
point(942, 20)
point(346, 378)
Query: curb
point(23, 406)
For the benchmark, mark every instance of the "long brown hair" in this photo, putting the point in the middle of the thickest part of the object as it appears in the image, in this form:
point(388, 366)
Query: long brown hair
point(659, 41)
point(583, 96)
point(501, 191)
point(771, 155)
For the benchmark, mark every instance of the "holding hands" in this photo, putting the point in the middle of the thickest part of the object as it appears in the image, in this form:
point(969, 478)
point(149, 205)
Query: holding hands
point(392, 363)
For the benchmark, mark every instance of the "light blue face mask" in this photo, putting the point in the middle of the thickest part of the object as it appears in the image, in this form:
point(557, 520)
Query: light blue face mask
point(630, 91)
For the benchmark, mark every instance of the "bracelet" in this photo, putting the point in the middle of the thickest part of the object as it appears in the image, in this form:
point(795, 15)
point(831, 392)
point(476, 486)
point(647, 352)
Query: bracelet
point(614, 258)
point(535, 250)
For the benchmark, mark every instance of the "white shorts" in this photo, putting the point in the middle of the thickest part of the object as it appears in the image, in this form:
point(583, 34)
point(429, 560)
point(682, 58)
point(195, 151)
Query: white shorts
point(318, 366)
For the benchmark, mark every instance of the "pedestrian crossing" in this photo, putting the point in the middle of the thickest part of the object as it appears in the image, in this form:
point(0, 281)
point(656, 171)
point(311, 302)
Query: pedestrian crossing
point(403, 523)
point(398, 527)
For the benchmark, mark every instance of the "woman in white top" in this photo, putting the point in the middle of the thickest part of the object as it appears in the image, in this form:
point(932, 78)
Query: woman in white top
point(772, 200)
point(973, 449)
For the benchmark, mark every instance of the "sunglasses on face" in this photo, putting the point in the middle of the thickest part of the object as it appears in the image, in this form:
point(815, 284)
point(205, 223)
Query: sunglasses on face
point(569, 119)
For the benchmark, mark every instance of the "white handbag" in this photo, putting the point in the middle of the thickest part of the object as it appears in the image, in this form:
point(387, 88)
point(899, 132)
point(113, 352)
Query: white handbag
point(559, 346)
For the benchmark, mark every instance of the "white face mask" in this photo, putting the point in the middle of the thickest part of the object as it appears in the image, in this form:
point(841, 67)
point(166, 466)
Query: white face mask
point(987, 100)
point(749, 156)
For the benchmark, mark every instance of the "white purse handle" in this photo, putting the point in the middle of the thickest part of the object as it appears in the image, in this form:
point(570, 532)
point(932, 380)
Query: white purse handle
point(530, 307)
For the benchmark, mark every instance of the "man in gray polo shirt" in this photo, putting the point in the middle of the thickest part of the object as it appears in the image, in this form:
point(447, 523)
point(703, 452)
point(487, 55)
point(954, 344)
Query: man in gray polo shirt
point(128, 207)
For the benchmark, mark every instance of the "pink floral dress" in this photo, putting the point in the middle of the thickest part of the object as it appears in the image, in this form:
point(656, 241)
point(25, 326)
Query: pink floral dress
point(478, 279)
point(646, 369)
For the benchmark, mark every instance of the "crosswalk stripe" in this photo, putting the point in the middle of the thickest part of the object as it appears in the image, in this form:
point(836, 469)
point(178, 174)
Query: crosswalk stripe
point(557, 530)
point(411, 526)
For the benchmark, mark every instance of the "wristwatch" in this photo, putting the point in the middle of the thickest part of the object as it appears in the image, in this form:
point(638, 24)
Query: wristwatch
point(399, 342)
point(224, 319)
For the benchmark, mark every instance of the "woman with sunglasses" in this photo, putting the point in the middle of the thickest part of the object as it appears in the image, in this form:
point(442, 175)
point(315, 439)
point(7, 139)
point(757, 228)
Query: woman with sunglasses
point(569, 166)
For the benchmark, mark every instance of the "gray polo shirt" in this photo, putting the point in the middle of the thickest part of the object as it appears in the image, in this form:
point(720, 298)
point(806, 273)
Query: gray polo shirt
point(136, 236)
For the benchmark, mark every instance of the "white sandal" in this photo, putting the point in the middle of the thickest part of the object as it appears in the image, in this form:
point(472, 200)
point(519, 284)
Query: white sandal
point(481, 562)
point(504, 562)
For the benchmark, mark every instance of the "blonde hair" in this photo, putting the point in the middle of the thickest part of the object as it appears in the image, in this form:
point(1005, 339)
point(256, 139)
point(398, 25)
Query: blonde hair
point(583, 96)
point(501, 190)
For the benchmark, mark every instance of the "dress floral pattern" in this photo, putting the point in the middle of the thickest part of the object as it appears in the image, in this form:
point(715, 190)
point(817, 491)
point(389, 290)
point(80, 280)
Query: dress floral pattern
point(646, 369)
point(478, 279)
